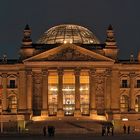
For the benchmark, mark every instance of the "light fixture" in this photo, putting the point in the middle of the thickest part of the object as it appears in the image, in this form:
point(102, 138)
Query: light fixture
point(81, 89)
point(65, 41)
point(124, 119)
point(68, 89)
point(53, 89)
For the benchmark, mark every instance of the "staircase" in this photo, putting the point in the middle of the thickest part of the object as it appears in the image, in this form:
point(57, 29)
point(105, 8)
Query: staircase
point(65, 125)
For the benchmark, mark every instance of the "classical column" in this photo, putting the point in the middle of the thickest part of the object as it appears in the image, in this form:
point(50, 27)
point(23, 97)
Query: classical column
point(77, 93)
point(4, 91)
point(115, 91)
point(100, 93)
point(131, 93)
point(37, 93)
point(92, 81)
point(44, 111)
point(22, 91)
point(29, 90)
point(108, 90)
point(60, 93)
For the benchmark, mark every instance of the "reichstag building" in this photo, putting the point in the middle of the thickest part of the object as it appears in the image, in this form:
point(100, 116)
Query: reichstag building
point(69, 72)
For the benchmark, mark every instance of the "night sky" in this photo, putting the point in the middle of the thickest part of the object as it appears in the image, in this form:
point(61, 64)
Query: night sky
point(96, 15)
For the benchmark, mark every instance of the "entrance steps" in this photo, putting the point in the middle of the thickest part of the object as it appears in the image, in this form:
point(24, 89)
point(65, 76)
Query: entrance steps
point(65, 125)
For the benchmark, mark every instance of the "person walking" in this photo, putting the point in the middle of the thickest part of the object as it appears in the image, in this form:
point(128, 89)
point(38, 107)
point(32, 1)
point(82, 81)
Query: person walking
point(112, 130)
point(103, 130)
point(108, 130)
point(124, 129)
point(19, 129)
point(44, 130)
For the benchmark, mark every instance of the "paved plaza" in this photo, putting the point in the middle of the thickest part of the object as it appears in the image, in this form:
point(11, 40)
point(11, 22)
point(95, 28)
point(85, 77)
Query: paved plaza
point(70, 137)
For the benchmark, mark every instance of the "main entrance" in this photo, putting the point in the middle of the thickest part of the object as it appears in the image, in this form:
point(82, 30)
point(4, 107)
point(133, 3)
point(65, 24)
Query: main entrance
point(68, 93)
point(68, 101)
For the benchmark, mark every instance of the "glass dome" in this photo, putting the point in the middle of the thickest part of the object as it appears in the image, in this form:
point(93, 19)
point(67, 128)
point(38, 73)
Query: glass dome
point(68, 33)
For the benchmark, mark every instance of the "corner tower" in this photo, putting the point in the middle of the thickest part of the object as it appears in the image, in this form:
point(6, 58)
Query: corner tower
point(111, 49)
point(26, 50)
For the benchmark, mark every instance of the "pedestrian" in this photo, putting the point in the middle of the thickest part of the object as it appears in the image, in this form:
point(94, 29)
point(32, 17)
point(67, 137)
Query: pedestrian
point(128, 129)
point(44, 130)
point(112, 130)
point(108, 130)
point(103, 130)
point(19, 129)
point(124, 129)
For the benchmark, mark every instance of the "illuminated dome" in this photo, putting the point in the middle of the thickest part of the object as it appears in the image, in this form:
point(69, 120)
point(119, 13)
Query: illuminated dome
point(68, 33)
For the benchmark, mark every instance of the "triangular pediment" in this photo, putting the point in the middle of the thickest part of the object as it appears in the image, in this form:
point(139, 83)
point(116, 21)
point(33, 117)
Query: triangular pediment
point(69, 52)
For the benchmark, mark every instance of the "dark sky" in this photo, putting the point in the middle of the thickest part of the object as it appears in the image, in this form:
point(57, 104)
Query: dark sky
point(96, 15)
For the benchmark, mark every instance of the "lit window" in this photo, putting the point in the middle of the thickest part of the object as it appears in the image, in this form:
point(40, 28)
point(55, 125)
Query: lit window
point(52, 93)
point(124, 103)
point(84, 93)
point(12, 102)
point(137, 103)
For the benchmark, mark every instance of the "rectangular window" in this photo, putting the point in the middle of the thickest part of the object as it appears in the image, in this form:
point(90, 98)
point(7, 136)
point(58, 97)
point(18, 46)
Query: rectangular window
point(52, 93)
point(124, 84)
point(12, 84)
point(138, 83)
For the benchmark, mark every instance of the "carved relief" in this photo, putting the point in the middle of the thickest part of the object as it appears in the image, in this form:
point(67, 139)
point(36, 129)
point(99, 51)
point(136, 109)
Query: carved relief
point(100, 94)
point(77, 72)
point(69, 54)
point(132, 74)
point(92, 72)
point(108, 72)
point(37, 96)
point(60, 72)
point(45, 72)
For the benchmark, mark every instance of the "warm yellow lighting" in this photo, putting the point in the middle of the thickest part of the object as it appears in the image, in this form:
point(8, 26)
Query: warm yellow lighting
point(53, 89)
point(38, 118)
point(91, 41)
point(81, 89)
point(68, 89)
point(65, 42)
point(71, 42)
point(124, 119)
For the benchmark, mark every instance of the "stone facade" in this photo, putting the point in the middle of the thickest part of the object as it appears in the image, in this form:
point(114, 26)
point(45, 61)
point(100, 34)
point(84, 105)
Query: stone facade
point(70, 80)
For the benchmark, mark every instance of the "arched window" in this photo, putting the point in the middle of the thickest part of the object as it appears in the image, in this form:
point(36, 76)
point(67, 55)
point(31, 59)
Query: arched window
point(12, 103)
point(124, 103)
point(137, 103)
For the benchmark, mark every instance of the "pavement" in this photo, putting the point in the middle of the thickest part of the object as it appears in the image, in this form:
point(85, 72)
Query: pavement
point(69, 137)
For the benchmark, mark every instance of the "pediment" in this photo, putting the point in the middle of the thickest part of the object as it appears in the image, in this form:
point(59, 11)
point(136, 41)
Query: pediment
point(69, 52)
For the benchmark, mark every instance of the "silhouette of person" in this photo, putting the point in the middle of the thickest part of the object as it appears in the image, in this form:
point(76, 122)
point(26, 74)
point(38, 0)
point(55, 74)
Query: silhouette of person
point(112, 130)
point(124, 129)
point(44, 130)
point(19, 129)
point(108, 130)
point(103, 130)
point(128, 129)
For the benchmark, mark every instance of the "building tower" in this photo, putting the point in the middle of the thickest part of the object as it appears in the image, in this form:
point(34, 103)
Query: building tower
point(26, 50)
point(111, 49)
point(139, 56)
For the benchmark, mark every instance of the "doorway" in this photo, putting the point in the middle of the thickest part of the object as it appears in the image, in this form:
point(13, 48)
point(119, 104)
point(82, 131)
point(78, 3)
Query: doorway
point(69, 104)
